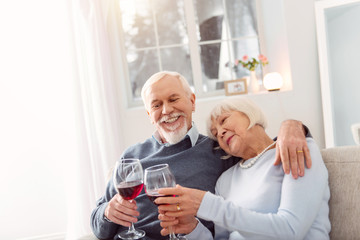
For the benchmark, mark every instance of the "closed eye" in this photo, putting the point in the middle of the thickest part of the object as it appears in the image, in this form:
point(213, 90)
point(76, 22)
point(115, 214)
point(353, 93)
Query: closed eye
point(173, 99)
point(222, 120)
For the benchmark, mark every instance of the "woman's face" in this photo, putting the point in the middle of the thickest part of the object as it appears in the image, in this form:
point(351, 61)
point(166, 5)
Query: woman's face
point(230, 129)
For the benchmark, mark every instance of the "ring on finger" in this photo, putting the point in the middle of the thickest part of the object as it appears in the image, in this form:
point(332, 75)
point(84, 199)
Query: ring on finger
point(300, 151)
point(178, 207)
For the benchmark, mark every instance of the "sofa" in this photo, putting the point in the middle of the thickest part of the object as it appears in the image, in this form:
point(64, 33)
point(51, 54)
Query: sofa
point(343, 164)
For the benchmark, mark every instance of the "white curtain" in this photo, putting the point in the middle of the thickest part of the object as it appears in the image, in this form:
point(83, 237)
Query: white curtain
point(52, 170)
point(98, 104)
point(36, 118)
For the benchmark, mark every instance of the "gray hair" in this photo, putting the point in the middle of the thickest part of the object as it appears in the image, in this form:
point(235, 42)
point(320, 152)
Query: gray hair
point(244, 105)
point(157, 76)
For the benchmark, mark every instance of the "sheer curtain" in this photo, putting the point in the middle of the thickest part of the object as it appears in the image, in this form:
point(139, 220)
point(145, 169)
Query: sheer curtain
point(52, 170)
point(98, 105)
point(36, 118)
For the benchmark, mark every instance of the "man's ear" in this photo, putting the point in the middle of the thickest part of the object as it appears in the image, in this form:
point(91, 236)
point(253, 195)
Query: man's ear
point(192, 99)
point(149, 117)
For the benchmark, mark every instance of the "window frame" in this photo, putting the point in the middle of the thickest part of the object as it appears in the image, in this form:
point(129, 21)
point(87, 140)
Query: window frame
point(194, 49)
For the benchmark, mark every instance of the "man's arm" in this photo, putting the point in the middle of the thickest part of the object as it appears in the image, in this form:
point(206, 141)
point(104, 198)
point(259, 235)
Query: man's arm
point(292, 149)
point(101, 227)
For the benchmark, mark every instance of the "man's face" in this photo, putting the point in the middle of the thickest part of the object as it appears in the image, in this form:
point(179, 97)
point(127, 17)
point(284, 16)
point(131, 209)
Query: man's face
point(170, 108)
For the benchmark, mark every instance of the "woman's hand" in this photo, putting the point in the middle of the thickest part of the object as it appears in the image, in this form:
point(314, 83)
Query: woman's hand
point(184, 225)
point(186, 202)
point(292, 149)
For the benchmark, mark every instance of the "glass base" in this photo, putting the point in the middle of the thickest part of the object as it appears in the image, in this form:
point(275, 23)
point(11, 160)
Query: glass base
point(178, 237)
point(136, 234)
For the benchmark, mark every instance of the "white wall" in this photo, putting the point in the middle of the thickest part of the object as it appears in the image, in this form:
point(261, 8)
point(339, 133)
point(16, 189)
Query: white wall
point(344, 51)
point(302, 103)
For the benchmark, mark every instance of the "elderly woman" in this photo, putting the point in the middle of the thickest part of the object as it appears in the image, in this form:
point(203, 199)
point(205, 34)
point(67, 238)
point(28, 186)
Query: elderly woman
point(254, 199)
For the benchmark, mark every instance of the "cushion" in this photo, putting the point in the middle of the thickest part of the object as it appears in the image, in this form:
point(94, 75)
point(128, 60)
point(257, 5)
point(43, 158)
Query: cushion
point(343, 164)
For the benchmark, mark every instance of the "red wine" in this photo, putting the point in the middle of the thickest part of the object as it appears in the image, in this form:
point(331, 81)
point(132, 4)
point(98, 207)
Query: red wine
point(130, 190)
point(154, 195)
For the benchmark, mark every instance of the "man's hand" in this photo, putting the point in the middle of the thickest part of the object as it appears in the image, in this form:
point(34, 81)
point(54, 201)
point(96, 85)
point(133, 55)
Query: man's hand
point(291, 148)
point(121, 211)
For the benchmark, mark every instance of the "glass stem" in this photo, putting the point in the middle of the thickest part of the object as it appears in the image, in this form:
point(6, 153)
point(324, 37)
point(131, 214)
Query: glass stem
point(131, 228)
point(172, 234)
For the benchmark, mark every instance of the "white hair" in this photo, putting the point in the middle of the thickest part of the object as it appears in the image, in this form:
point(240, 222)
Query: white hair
point(157, 76)
point(243, 105)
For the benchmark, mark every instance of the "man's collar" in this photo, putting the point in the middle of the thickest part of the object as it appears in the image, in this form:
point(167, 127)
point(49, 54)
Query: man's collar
point(193, 134)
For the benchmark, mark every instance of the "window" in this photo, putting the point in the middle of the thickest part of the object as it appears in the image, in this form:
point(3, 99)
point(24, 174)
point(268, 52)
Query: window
point(198, 38)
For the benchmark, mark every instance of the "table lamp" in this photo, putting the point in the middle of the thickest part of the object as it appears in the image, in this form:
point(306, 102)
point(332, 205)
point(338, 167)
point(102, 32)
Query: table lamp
point(273, 81)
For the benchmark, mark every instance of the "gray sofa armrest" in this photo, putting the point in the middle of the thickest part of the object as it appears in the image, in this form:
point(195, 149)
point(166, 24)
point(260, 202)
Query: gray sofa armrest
point(343, 164)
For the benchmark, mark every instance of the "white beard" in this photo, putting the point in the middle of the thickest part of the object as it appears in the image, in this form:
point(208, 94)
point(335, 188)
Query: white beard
point(173, 136)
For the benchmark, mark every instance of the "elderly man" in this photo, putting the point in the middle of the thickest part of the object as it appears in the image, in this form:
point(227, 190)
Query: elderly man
point(193, 158)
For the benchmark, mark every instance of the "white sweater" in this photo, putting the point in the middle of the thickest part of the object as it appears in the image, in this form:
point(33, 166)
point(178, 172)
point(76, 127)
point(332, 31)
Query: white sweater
point(262, 202)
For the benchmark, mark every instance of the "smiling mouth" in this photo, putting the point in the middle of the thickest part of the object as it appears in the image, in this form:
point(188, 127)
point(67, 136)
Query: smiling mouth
point(229, 139)
point(171, 120)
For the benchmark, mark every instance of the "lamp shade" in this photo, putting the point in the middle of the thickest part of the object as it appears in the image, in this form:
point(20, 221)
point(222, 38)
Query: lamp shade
point(273, 81)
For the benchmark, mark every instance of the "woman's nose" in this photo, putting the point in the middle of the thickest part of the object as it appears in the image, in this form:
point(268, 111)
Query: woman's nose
point(221, 131)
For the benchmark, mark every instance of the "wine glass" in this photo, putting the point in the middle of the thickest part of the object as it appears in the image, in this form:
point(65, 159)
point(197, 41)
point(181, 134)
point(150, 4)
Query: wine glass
point(156, 177)
point(128, 181)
